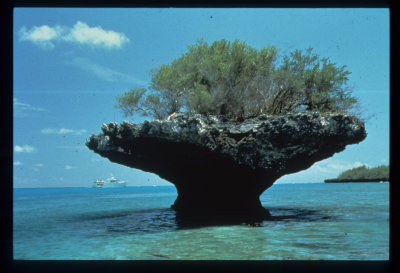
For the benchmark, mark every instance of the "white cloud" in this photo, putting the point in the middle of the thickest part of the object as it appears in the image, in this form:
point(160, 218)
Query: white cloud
point(42, 35)
point(81, 33)
point(18, 163)
point(36, 167)
point(24, 109)
point(62, 131)
point(69, 167)
point(24, 149)
point(345, 165)
point(330, 166)
point(105, 73)
point(84, 34)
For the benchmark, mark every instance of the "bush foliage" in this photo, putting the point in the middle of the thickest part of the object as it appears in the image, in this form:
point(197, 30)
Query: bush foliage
point(363, 172)
point(239, 82)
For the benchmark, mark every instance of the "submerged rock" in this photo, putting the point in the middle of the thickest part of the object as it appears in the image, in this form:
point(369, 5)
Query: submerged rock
point(220, 167)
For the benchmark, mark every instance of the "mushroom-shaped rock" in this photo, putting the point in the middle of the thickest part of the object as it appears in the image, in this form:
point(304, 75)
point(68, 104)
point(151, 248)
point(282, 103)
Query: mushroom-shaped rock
point(221, 167)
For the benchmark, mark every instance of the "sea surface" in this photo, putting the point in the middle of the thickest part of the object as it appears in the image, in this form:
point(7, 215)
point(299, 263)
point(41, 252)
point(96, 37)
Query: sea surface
point(313, 221)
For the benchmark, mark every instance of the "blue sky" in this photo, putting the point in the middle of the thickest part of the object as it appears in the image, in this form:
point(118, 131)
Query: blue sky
point(70, 64)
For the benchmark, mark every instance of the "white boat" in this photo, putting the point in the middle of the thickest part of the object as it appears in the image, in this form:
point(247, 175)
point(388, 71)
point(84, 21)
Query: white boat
point(109, 183)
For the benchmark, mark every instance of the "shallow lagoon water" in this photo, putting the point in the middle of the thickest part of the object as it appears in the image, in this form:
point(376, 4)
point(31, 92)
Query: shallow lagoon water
point(312, 221)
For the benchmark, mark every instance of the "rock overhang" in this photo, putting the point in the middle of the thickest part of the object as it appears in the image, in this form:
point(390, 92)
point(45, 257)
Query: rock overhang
point(253, 142)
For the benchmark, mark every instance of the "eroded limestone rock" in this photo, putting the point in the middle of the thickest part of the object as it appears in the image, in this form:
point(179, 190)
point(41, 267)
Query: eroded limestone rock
point(219, 167)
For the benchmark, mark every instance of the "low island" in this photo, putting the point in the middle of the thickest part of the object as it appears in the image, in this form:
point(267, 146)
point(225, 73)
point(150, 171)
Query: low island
point(362, 174)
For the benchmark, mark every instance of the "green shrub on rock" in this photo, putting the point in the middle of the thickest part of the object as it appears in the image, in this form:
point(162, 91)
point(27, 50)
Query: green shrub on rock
point(237, 81)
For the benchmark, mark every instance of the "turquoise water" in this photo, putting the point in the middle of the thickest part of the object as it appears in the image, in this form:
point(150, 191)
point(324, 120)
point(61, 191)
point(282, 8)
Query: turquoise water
point(313, 222)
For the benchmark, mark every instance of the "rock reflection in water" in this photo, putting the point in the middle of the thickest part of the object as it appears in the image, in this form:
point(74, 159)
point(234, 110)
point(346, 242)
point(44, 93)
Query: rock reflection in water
point(163, 220)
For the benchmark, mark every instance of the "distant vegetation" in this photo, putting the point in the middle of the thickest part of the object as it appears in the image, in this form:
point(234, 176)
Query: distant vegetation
point(237, 81)
point(363, 173)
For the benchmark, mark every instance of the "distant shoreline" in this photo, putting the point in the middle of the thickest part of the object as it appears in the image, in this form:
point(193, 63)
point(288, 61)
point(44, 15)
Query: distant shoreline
point(360, 180)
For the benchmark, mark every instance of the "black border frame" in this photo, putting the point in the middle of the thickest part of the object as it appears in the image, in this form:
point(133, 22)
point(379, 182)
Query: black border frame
point(7, 264)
